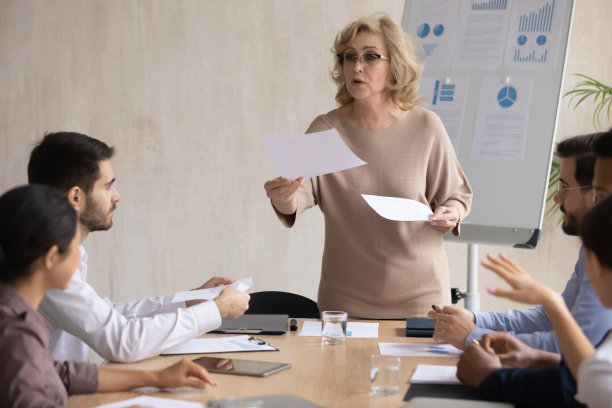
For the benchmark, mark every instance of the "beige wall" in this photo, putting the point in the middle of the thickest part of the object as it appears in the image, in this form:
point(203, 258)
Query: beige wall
point(184, 89)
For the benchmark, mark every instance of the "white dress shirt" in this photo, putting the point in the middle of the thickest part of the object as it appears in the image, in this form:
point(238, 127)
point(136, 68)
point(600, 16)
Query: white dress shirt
point(595, 377)
point(122, 331)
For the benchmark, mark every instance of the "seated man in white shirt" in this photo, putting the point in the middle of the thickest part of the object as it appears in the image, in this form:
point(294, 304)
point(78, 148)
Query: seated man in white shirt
point(80, 167)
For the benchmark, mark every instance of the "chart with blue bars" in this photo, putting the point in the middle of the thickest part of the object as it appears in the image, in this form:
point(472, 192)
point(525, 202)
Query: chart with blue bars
point(490, 5)
point(538, 21)
point(534, 28)
point(443, 93)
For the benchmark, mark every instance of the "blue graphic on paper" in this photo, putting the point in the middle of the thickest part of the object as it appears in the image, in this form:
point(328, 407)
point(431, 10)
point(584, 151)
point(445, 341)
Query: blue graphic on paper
point(538, 21)
point(541, 40)
point(443, 93)
point(521, 40)
point(438, 30)
point(506, 96)
point(423, 30)
point(490, 5)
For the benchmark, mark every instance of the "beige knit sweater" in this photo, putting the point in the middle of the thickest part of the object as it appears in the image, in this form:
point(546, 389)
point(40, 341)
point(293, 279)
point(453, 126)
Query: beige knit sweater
point(373, 267)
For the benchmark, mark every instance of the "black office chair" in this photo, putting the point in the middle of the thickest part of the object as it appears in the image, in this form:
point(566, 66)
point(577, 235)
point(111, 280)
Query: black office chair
point(272, 302)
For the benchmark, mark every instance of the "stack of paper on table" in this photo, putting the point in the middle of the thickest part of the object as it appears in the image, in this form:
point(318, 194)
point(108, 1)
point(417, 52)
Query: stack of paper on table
point(221, 345)
point(154, 402)
point(418, 350)
point(435, 374)
point(353, 329)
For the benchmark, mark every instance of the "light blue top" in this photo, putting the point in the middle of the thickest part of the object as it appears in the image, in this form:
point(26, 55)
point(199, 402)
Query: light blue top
point(533, 327)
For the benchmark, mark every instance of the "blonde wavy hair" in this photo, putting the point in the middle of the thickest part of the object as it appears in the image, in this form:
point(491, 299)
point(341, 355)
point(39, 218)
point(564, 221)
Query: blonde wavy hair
point(406, 67)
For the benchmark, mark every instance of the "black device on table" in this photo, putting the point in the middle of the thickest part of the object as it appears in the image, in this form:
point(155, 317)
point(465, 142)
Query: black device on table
point(240, 367)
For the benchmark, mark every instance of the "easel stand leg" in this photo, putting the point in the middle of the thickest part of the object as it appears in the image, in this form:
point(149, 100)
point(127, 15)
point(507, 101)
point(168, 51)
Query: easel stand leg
point(472, 296)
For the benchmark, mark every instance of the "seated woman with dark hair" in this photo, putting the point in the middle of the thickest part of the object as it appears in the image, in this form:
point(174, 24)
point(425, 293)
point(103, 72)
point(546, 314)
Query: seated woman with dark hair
point(39, 251)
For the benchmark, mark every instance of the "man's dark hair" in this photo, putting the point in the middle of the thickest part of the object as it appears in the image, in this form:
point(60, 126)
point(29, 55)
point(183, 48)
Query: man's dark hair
point(33, 218)
point(596, 231)
point(66, 159)
point(580, 147)
point(603, 145)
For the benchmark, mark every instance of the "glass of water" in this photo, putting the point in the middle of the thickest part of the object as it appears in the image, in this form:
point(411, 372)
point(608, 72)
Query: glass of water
point(333, 327)
point(384, 374)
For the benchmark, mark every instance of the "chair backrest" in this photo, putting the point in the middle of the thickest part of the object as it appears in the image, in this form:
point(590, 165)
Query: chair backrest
point(272, 302)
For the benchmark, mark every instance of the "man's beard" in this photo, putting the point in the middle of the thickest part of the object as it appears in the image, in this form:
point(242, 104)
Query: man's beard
point(94, 219)
point(570, 224)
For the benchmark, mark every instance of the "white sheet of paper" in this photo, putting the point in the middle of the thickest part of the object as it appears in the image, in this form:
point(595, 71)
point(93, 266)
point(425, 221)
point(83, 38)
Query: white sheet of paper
point(219, 345)
point(434, 24)
point(481, 36)
point(310, 155)
point(534, 37)
point(241, 285)
point(398, 209)
point(500, 130)
point(353, 329)
point(435, 374)
point(418, 350)
point(448, 100)
point(155, 402)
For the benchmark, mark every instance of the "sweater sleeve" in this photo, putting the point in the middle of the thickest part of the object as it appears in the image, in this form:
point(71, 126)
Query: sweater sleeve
point(447, 185)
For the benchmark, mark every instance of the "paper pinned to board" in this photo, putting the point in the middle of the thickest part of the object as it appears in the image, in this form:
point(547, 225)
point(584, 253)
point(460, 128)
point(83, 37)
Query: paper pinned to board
point(398, 209)
point(241, 285)
point(310, 155)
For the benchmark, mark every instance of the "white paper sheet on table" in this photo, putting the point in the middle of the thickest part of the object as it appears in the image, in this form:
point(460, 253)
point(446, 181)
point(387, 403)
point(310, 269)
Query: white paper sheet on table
point(398, 209)
point(310, 155)
point(435, 374)
point(155, 402)
point(353, 329)
point(220, 345)
point(241, 285)
point(418, 350)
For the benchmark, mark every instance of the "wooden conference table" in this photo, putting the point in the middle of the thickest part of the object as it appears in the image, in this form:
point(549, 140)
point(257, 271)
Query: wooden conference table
point(331, 376)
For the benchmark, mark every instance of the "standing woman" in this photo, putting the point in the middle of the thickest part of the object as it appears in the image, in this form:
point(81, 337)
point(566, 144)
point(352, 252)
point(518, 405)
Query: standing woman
point(373, 267)
point(38, 251)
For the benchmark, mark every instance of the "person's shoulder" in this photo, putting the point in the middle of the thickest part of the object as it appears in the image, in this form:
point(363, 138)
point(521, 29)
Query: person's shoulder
point(324, 121)
point(425, 116)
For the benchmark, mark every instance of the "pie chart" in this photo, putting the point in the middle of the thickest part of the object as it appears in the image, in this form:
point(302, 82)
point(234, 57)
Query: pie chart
point(423, 30)
point(506, 96)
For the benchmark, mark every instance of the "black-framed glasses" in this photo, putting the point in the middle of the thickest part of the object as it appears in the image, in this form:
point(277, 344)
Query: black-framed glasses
point(369, 58)
point(562, 187)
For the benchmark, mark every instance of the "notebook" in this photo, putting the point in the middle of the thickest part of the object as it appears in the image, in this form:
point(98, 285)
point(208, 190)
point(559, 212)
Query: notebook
point(255, 324)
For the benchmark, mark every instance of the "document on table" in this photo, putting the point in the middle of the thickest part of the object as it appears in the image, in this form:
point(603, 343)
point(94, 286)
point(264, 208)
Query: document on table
point(230, 344)
point(154, 402)
point(418, 350)
point(353, 329)
point(241, 285)
point(310, 155)
point(435, 374)
point(398, 209)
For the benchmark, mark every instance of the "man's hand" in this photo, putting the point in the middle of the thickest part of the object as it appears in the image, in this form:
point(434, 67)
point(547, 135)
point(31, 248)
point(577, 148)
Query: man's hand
point(211, 283)
point(452, 324)
point(216, 281)
point(232, 303)
point(475, 364)
point(514, 353)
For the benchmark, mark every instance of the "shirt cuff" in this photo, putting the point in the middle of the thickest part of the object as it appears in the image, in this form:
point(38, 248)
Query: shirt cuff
point(476, 334)
point(83, 378)
point(207, 316)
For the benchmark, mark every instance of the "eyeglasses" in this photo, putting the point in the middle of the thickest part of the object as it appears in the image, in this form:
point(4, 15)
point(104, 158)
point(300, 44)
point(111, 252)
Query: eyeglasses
point(370, 59)
point(562, 187)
